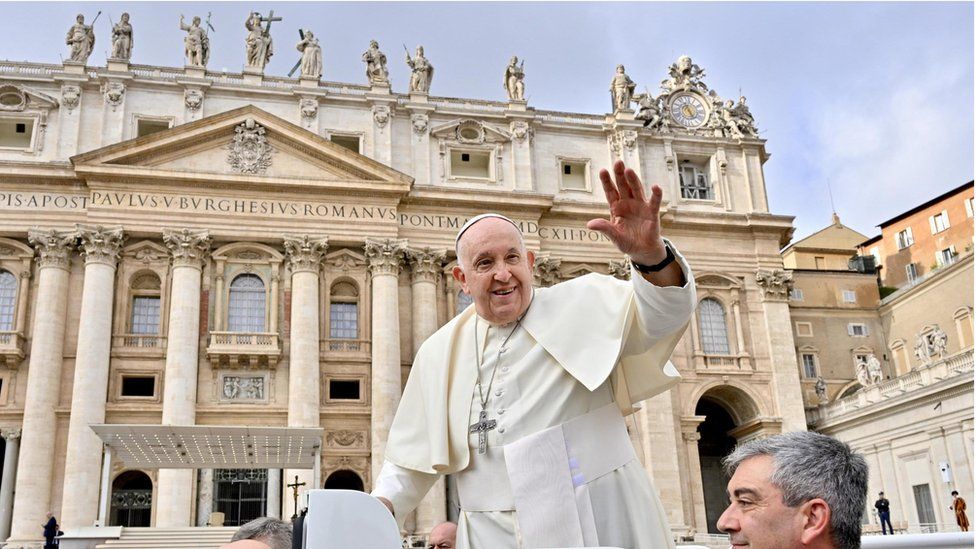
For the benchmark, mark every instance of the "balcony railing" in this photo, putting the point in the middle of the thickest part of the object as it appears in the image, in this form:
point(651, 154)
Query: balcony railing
point(938, 371)
point(723, 362)
point(139, 341)
point(244, 349)
point(11, 348)
point(344, 348)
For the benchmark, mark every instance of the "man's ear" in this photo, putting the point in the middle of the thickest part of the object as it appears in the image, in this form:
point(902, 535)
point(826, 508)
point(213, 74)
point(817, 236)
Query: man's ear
point(531, 258)
point(816, 523)
point(458, 274)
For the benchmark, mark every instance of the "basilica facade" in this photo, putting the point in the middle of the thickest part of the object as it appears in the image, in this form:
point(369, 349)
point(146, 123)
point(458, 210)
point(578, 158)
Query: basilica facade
point(187, 247)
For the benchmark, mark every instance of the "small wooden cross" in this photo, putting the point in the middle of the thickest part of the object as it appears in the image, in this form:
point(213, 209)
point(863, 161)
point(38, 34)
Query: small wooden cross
point(294, 487)
point(269, 19)
point(482, 427)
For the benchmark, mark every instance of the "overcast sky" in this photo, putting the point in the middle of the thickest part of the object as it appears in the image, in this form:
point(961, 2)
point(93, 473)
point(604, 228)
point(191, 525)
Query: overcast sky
point(876, 98)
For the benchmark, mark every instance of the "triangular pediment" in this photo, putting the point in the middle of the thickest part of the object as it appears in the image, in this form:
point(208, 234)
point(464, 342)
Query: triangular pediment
point(245, 144)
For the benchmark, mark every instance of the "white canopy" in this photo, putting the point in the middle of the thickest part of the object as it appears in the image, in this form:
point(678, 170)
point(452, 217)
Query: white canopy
point(208, 446)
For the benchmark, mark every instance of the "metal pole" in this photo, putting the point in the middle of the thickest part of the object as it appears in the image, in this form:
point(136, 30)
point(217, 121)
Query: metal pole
point(106, 485)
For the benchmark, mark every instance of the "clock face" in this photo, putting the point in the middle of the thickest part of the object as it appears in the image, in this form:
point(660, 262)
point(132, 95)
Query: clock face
point(688, 110)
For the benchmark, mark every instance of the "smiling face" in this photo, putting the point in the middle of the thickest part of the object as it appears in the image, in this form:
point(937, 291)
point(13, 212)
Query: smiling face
point(495, 269)
point(757, 516)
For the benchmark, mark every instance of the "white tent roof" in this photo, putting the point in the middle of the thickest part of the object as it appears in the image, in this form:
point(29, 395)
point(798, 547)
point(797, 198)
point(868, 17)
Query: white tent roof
point(207, 446)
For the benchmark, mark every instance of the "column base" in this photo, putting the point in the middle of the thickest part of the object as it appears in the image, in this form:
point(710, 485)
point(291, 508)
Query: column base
point(24, 544)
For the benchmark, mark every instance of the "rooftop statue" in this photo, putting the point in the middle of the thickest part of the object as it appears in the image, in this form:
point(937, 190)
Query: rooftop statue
point(515, 79)
point(311, 62)
point(122, 39)
point(621, 89)
point(81, 39)
point(685, 75)
point(258, 45)
point(422, 72)
point(196, 43)
point(376, 71)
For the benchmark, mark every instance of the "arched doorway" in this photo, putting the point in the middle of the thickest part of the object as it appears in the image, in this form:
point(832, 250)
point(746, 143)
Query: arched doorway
point(715, 443)
point(131, 499)
point(344, 479)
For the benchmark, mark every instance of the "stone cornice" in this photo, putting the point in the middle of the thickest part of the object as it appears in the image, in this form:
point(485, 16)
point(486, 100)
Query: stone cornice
point(386, 256)
point(53, 247)
point(100, 244)
point(305, 253)
point(426, 264)
point(188, 248)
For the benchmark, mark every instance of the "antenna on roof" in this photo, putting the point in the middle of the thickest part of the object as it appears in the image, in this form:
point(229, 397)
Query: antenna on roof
point(835, 218)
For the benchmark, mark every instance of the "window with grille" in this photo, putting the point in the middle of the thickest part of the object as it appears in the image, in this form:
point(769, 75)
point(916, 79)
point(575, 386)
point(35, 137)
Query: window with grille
point(694, 183)
point(344, 320)
point(246, 305)
point(8, 300)
point(711, 324)
point(463, 300)
point(796, 294)
point(145, 315)
point(241, 494)
point(905, 238)
point(809, 365)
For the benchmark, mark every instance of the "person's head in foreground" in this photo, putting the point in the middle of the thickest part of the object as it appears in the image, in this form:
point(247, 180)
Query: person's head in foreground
point(494, 268)
point(799, 489)
point(264, 532)
point(442, 536)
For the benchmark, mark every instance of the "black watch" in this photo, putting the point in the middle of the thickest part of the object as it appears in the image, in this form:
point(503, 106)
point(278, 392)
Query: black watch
point(647, 269)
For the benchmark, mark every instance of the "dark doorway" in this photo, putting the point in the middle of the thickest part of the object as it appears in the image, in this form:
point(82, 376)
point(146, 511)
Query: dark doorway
point(240, 494)
point(131, 499)
point(715, 444)
point(344, 479)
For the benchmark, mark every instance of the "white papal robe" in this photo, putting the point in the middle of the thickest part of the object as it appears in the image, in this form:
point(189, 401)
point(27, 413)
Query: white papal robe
point(612, 339)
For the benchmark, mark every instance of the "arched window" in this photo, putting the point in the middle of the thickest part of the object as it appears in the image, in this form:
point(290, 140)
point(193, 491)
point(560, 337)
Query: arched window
point(245, 310)
point(131, 499)
point(344, 311)
point(8, 300)
point(712, 327)
point(463, 300)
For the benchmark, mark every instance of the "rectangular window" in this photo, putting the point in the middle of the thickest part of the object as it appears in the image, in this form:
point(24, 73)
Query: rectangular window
point(946, 256)
point(939, 222)
point(145, 315)
point(856, 329)
point(923, 505)
point(16, 133)
point(343, 320)
point(911, 271)
point(574, 175)
point(350, 142)
point(694, 183)
point(850, 296)
point(877, 255)
point(344, 389)
point(969, 207)
point(809, 365)
point(796, 294)
point(147, 127)
point(474, 164)
point(138, 386)
point(804, 329)
point(905, 238)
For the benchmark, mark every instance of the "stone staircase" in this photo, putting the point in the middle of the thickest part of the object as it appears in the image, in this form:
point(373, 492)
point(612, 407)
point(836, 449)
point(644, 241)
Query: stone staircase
point(160, 538)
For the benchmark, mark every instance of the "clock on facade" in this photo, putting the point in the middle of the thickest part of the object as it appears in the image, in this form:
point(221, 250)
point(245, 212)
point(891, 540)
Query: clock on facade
point(688, 110)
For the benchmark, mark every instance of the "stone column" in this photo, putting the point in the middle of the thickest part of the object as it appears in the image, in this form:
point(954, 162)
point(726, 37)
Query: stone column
point(274, 494)
point(32, 494)
point(305, 258)
point(385, 258)
point(188, 249)
point(425, 271)
point(83, 462)
point(960, 459)
point(205, 485)
point(775, 287)
point(10, 453)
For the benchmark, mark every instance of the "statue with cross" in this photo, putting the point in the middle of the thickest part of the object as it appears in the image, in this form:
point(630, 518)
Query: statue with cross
point(258, 45)
point(294, 487)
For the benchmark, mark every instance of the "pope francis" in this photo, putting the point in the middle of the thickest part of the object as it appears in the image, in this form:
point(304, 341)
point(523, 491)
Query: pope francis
point(522, 396)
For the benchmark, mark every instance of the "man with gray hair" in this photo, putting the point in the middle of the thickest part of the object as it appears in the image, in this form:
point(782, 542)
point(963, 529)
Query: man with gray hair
point(274, 533)
point(800, 489)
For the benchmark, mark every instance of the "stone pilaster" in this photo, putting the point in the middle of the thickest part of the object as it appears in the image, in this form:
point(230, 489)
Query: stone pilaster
point(426, 266)
point(691, 437)
point(83, 463)
point(305, 258)
point(385, 257)
point(775, 286)
point(188, 249)
point(205, 486)
point(10, 453)
point(274, 494)
point(32, 494)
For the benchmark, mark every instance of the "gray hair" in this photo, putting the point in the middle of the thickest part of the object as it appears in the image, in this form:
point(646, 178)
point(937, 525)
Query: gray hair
point(809, 465)
point(276, 533)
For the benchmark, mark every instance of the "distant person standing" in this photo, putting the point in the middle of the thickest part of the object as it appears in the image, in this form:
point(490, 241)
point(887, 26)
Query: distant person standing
point(884, 513)
point(50, 532)
point(959, 506)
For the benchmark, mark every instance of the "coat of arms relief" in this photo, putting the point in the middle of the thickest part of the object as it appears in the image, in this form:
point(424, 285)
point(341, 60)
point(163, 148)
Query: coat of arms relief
point(250, 152)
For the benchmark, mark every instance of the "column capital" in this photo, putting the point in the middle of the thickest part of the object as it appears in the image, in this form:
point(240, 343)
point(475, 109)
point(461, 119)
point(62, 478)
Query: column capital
point(53, 247)
point(385, 256)
point(305, 253)
point(426, 264)
point(11, 435)
point(775, 284)
point(546, 269)
point(619, 268)
point(100, 244)
point(187, 247)
point(693, 436)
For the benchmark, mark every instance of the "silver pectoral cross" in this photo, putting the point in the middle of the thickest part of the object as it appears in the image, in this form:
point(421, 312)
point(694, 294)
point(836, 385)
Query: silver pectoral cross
point(482, 427)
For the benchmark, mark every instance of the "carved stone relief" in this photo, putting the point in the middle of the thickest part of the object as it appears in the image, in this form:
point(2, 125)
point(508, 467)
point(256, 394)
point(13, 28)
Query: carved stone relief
point(385, 256)
point(345, 438)
point(70, 96)
point(521, 131)
point(309, 108)
point(546, 270)
point(250, 151)
point(619, 269)
point(243, 387)
point(419, 123)
point(775, 284)
point(193, 99)
point(381, 115)
point(114, 93)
